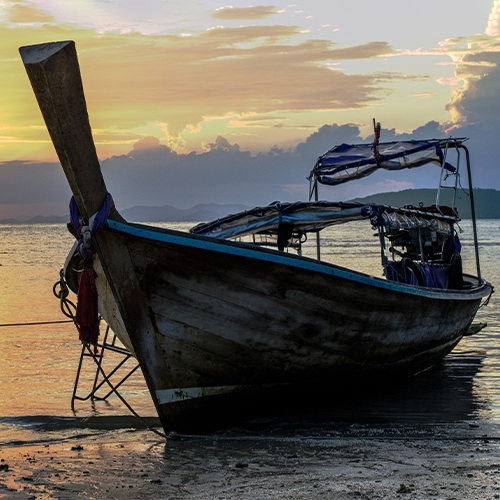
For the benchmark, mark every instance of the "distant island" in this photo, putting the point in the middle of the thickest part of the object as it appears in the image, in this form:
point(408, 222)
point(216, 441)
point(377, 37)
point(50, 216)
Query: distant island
point(486, 201)
point(487, 204)
point(198, 213)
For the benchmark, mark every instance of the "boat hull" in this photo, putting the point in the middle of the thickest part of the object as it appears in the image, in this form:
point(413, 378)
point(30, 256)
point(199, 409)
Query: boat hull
point(209, 319)
point(221, 318)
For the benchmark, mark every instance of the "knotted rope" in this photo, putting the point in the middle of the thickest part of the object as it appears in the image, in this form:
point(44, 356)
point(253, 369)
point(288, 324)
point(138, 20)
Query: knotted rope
point(87, 314)
point(96, 222)
point(67, 308)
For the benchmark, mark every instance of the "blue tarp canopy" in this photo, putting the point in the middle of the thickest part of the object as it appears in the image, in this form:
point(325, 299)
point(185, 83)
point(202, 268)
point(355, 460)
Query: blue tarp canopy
point(313, 216)
point(303, 216)
point(350, 161)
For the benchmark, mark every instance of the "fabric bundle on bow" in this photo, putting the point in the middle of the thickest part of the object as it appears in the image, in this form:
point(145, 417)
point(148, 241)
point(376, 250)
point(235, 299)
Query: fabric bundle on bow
point(87, 312)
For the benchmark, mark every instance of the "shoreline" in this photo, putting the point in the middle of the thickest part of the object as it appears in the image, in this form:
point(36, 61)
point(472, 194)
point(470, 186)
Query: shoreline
point(237, 464)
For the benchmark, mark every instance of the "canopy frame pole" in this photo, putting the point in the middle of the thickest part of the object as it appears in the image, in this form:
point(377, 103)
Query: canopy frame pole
point(381, 237)
point(318, 242)
point(440, 185)
point(472, 209)
point(456, 174)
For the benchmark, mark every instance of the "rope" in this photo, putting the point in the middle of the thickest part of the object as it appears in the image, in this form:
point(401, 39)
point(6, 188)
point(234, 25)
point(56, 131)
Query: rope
point(487, 301)
point(67, 308)
point(62, 295)
point(66, 305)
point(39, 323)
point(96, 222)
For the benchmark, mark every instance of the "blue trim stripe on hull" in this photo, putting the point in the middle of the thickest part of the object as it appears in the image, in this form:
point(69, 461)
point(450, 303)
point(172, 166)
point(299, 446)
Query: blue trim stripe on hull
point(247, 251)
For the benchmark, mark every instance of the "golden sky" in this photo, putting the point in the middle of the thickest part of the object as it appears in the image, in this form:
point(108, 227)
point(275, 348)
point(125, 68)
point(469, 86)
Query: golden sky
point(190, 75)
point(259, 75)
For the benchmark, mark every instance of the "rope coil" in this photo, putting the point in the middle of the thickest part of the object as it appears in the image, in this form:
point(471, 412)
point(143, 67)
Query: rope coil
point(68, 308)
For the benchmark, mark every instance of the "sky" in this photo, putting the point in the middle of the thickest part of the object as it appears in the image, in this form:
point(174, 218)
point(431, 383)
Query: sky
point(206, 102)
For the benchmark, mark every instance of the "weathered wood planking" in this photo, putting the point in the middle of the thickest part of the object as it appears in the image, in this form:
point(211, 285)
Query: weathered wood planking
point(211, 313)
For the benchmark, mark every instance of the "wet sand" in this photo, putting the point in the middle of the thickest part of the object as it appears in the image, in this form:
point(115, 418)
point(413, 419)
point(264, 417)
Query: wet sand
point(429, 436)
point(350, 463)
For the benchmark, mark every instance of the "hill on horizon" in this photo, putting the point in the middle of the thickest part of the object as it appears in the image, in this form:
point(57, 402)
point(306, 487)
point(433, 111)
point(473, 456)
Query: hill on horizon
point(487, 205)
point(166, 213)
point(486, 201)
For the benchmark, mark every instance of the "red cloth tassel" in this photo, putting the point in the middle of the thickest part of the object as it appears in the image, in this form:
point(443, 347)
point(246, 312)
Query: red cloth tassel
point(87, 315)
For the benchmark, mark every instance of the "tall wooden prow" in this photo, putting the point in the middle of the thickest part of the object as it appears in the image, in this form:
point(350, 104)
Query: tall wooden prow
point(54, 74)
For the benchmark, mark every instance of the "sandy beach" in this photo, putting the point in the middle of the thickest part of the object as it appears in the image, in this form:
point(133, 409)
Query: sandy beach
point(139, 464)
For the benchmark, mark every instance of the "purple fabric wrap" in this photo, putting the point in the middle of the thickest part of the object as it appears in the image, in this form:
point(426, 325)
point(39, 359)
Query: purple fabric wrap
point(99, 220)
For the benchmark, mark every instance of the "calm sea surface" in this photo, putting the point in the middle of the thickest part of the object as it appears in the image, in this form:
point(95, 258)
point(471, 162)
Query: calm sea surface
point(39, 362)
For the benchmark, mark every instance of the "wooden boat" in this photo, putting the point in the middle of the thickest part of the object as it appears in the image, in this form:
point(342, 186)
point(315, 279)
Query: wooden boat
point(211, 318)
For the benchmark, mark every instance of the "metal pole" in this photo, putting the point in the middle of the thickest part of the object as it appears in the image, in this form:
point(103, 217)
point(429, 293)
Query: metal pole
point(318, 246)
point(77, 379)
point(472, 210)
point(100, 361)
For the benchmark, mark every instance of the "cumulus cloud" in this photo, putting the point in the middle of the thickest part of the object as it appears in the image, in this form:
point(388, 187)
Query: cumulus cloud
point(493, 20)
point(326, 137)
point(475, 109)
point(476, 102)
point(26, 13)
point(257, 12)
point(221, 144)
point(146, 143)
point(477, 63)
point(152, 174)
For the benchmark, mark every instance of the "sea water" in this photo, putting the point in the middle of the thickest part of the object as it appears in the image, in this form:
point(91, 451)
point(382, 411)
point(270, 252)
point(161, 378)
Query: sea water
point(39, 362)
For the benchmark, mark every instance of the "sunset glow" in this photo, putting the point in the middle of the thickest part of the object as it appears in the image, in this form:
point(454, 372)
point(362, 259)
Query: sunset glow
point(260, 76)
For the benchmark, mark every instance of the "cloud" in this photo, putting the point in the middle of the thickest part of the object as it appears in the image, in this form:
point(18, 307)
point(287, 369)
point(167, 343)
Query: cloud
point(28, 182)
point(325, 138)
point(26, 13)
point(147, 143)
point(364, 51)
point(221, 144)
point(258, 12)
point(152, 174)
point(477, 67)
point(475, 109)
point(476, 102)
point(135, 80)
point(493, 20)
point(248, 72)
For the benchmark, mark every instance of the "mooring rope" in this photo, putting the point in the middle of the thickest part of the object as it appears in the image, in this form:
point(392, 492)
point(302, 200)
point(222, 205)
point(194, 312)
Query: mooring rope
point(39, 323)
point(68, 308)
point(66, 305)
